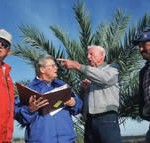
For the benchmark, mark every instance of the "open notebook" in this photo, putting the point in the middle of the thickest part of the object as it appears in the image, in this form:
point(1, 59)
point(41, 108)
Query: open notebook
point(56, 97)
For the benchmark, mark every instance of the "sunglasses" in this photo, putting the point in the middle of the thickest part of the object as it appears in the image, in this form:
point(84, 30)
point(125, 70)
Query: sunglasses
point(4, 44)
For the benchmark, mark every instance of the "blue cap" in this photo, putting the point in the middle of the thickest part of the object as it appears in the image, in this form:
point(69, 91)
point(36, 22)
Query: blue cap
point(142, 37)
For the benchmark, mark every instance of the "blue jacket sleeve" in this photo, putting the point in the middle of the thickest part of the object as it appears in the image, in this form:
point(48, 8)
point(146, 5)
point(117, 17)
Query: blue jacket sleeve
point(22, 113)
point(76, 109)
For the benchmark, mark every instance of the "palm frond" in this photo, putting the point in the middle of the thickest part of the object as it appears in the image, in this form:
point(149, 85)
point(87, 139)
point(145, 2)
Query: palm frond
point(100, 36)
point(75, 51)
point(117, 28)
point(72, 48)
point(128, 98)
point(62, 36)
point(83, 19)
point(26, 53)
point(32, 36)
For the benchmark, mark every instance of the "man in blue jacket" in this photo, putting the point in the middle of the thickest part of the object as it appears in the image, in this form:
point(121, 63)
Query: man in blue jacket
point(49, 128)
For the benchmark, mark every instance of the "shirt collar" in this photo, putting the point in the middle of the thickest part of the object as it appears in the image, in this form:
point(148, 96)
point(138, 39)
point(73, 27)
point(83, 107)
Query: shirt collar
point(6, 67)
point(102, 65)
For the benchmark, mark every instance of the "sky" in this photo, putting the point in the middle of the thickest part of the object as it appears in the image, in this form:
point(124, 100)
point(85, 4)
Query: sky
point(43, 13)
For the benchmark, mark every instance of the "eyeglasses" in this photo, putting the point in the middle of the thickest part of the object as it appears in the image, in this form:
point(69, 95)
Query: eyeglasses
point(4, 44)
point(53, 65)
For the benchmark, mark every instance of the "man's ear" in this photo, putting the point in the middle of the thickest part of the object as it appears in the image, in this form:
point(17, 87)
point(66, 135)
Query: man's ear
point(42, 70)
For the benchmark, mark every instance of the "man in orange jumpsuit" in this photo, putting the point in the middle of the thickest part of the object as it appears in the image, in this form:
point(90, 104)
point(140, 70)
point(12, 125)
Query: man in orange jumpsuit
point(6, 90)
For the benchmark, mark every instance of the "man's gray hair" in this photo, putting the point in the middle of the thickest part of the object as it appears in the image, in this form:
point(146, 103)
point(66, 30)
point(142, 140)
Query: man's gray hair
point(98, 47)
point(41, 62)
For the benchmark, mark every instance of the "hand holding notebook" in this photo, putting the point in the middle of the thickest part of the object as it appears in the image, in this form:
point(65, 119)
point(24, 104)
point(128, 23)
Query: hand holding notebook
point(56, 97)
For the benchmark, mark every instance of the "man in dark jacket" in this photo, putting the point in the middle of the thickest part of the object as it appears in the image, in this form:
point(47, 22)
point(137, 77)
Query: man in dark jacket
point(143, 41)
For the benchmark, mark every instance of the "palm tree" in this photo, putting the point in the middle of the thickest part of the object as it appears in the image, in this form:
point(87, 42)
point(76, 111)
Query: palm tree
point(115, 37)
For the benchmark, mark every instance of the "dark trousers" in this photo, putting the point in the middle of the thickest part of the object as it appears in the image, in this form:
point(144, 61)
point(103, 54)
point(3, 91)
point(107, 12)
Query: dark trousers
point(102, 128)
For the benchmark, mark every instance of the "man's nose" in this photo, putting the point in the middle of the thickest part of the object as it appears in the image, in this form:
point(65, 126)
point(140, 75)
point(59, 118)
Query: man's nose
point(88, 56)
point(141, 48)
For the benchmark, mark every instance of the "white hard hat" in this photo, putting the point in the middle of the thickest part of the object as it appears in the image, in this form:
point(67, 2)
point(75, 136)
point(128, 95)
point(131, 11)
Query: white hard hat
point(5, 35)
